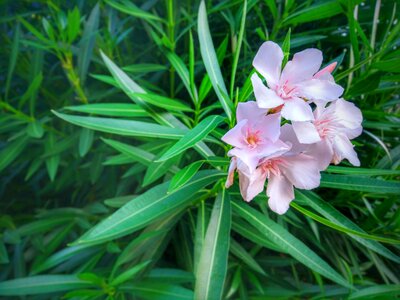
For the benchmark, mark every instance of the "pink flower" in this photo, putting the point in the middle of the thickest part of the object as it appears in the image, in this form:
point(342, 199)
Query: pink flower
point(283, 171)
point(255, 136)
point(330, 133)
point(299, 81)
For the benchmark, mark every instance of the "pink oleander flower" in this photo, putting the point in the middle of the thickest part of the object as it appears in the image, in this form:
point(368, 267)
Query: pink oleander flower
point(288, 91)
point(255, 136)
point(330, 133)
point(284, 170)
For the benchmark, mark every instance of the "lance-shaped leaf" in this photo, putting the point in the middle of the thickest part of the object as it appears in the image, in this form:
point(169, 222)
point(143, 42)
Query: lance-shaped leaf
point(193, 136)
point(184, 175)
point(124, 127)
point(144, 209)
point(211, 62)
point(41, 284)
point(284, 239)
point(130, 88)
point(213, 264)
point(111, 109)
point(329, 212)
point(361, 184)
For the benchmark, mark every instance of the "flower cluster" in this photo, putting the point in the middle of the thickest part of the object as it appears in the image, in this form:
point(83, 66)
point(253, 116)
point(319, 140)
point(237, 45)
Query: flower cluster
point(292, 155)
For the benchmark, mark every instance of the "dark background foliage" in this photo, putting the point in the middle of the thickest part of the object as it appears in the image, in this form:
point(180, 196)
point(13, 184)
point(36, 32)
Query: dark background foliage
point(58, 180)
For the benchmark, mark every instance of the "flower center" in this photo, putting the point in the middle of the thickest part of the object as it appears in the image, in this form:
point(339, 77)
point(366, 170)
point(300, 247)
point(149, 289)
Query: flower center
point(271, 166)
point(326, 127)
point(253, 138)
point(285, 91)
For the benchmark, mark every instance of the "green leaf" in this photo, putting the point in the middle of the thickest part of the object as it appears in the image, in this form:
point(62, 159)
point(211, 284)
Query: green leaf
point(131, 9)
point(163, 102)
point(210, 61)
point(41, 284)
point(87, 42)
point(158, 169)
point(74, 252)
point(390, 65)
point(111, 109)
point(329, 212)
point(286, 48)
point(123, 127)
point(35, 130)
point(213, 264)
point(315, 12)
point(133, 152)
point(144, 68)
point(245, 257)
point(284, 239)
point(13, 57)
point(129, 274)
point(85, 141)
point(373, 292)
point(53, 161)
point(184, 175)
point(158, 291)
point(74, 22)
point(11, 152)
point(147, 207)
point(194, 136)
point(361, 171)
point(361, 184)
point(183, 73)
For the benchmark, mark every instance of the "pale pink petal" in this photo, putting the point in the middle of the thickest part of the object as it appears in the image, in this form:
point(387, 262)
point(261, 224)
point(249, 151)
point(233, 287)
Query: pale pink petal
point(306, 132)
point(322, 152)
point(234, 136)
point(251, 185)
point(231, 172)
point(348, 115)
point(266, 98)
point(302, 67)
point(268, 61)
point(280, 192)
point(247, 156)
point(250, 111)
point(270, 150)
point(302, 171)
point(344, 149)
point(289, 137)
point(319, 89)
point(297, 109)
point(321, 74)
point(270, 126)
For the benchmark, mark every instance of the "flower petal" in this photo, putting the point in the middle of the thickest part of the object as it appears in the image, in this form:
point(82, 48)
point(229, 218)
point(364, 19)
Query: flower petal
point(289, 137)
point(231, 172)
point(266, 98)
point(306, 132)
point(302, 171)
point(297, 109)
point(234, 136)
point(270, 126)
point(251, 185)
point(250, 111)
point(349, 116)
point(268, 61)
point(316, 89)
point(302, 67)
point(322, 152)
point(326, 72)
point(270, 150)
point(280, 192)
point(249, 157)
point(344, 149)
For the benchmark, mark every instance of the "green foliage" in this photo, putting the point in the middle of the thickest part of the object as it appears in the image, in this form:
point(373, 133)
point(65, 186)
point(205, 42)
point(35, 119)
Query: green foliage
point(112, 169)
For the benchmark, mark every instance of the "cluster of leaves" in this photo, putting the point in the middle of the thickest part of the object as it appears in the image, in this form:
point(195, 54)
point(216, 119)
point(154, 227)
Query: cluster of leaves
point(112, 168)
